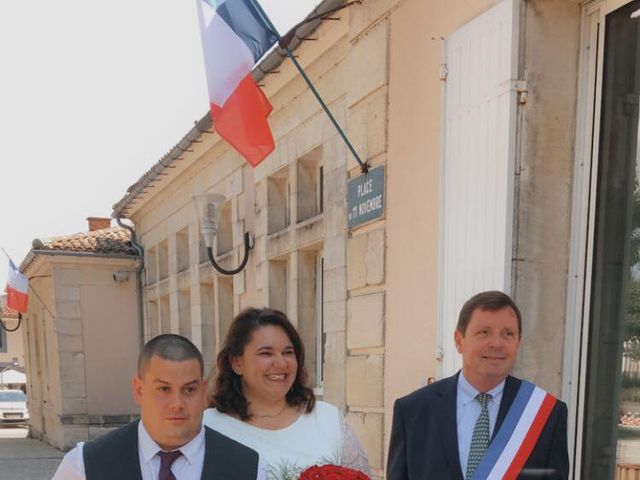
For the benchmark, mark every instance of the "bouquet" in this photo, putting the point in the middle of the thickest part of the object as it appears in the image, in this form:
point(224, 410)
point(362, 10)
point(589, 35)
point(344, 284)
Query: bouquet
point(332, 472)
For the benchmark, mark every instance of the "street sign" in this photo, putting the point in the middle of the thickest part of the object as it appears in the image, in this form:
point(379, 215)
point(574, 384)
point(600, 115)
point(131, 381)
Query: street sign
point(365, 197)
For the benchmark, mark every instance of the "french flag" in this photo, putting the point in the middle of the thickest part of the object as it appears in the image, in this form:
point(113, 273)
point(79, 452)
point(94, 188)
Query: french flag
point(17, 290)
point(235, 34)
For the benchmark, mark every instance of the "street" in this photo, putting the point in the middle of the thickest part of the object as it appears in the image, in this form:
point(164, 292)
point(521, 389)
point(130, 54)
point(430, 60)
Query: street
point(23, 458)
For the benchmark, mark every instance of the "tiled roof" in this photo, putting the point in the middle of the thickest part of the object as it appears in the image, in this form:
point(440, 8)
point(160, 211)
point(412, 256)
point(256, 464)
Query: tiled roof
point(268, 65)
point(114, 240)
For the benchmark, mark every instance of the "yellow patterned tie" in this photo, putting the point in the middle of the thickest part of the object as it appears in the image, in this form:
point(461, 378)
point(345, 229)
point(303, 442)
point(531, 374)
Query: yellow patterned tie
point(480, 437)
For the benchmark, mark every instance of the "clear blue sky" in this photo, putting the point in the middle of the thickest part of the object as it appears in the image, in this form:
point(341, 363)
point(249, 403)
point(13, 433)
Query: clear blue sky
point(91, 95)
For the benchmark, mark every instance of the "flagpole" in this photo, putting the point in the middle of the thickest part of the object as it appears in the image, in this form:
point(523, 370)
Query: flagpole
point(363, 165)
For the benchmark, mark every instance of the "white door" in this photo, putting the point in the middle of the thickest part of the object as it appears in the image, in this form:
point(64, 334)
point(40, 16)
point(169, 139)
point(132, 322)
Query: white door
point(477, 164)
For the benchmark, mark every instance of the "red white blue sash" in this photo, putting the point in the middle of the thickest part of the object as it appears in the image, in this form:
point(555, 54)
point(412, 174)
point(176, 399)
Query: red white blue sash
point(518, 434)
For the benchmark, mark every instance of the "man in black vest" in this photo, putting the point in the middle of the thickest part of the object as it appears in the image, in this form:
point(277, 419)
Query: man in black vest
point(169, 441)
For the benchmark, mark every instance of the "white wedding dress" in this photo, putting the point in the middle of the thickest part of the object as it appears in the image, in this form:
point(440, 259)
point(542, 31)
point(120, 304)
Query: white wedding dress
point(320, 437)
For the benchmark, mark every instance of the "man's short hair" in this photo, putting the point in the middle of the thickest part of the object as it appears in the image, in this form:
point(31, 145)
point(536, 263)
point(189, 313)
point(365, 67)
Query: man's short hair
point(491, 300)
point(169, 346)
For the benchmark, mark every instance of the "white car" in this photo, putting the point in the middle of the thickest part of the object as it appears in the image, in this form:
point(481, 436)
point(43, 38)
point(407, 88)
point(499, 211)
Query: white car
point(13, 407)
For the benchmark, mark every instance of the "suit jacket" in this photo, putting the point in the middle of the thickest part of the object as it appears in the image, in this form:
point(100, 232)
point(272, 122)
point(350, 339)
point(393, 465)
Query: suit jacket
point(115, 456)
point(424, 438)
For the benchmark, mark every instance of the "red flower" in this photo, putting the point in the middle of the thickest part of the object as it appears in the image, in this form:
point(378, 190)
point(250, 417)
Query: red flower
point(332, 472)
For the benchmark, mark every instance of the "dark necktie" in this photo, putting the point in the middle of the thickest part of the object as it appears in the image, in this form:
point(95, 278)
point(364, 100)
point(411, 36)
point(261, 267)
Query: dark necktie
point(166, 460)
point(480, 437)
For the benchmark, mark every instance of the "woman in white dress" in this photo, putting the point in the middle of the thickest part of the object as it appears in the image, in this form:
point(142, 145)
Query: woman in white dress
point(261, 399)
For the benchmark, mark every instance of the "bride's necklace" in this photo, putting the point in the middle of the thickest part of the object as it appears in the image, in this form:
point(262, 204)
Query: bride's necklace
point(272, 415)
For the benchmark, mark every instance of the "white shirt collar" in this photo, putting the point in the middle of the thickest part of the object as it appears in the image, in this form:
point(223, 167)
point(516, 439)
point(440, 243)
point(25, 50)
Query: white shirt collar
point(150, 448)
point(468, 392)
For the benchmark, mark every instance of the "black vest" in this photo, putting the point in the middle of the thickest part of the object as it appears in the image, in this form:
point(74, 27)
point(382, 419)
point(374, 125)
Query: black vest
point(115, 456)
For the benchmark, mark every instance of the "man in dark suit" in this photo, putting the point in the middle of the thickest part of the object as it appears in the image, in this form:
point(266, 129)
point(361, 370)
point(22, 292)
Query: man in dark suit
point(443, 431)
point(169, 441)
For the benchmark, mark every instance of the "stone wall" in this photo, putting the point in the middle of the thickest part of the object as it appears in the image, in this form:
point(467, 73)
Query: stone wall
point(81, 361)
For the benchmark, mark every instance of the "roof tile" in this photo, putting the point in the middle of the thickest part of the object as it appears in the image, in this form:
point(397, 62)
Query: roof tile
point(114, 240)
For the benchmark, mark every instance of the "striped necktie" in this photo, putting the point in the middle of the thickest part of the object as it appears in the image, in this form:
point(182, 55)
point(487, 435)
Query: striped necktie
point(166, 460)
point(480, 437)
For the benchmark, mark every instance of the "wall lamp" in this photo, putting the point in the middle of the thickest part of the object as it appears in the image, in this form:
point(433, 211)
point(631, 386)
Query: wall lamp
point(207, 209)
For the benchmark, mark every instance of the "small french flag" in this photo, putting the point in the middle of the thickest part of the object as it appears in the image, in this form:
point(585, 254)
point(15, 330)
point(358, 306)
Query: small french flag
point(235, 35)
point(17, 290)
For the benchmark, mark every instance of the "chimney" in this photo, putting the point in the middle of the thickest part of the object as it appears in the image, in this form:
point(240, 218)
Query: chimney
point(97, 223)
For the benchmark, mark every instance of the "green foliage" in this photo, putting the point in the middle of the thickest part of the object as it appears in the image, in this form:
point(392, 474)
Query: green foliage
point(630, 386)
point(632, 301)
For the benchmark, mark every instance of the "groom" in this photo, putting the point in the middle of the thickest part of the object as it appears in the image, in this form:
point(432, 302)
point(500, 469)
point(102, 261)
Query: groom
point(481, 423)
point(169, 441)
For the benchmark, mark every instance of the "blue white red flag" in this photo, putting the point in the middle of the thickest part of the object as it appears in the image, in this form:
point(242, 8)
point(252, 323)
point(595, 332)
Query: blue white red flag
point(17, 290)
point(235, 34)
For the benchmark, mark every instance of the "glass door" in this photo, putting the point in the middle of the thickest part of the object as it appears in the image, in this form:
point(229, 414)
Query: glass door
point(611, 429)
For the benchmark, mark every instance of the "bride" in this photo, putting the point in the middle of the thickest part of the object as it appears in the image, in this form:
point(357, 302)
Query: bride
point(261, 399)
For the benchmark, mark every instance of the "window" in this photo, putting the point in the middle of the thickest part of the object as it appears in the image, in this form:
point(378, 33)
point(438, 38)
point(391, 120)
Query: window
point(278, 192)
point(611, 440)
point(184, 313)
point(319, 317)
point(279, 284)
point(208, 325)
point(12, 396)
point(310, 311)
point(182, 249)
point(163, 260)
point(309, 190)
point(151, 264)
point(153, 326)
point(165, 314)
point(225, 304)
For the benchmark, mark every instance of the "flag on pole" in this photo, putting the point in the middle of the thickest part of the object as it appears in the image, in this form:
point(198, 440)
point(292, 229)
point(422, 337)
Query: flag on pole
point(235, 35)
point(17, 290)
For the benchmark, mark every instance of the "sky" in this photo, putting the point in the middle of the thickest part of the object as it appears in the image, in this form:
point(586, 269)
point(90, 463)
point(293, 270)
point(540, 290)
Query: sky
point(92, 94)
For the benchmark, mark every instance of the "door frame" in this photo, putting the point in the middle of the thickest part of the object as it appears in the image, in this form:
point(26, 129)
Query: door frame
point(585, 179)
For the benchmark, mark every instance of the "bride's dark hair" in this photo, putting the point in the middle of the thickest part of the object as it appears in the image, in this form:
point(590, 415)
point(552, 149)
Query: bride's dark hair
point(227, 395)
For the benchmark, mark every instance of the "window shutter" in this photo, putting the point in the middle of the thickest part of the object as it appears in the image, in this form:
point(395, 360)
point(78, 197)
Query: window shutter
point(477, 164)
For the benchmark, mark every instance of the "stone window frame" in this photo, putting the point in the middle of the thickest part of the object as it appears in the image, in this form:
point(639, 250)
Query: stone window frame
point(163, 260)
point(183, 259)
point(310, 309)
point(279, 199)
point(151, 266)
point(310, 185)
point(185, 315)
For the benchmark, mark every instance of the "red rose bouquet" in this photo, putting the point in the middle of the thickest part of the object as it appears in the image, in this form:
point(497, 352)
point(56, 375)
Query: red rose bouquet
point(332, 472)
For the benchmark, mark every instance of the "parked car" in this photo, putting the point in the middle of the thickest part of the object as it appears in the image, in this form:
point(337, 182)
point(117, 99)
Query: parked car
point(13, 407)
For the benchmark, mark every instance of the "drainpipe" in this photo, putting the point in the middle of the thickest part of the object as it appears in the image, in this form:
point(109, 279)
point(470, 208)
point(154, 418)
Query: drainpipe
point(140, 251)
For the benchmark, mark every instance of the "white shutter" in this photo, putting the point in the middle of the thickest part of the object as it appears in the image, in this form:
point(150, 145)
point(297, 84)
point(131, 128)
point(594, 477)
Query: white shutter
point(477, 164)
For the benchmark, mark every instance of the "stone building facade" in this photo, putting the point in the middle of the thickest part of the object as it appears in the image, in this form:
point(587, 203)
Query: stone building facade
point(81, 334)
point(487, 117)
point(329, 281)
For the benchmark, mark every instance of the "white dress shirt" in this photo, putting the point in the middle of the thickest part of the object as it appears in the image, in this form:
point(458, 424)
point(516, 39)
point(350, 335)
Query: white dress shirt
point(467, 413)
point(186, 467)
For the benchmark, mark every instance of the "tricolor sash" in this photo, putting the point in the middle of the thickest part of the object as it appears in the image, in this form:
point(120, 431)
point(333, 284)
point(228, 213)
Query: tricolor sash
point(518, 434)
